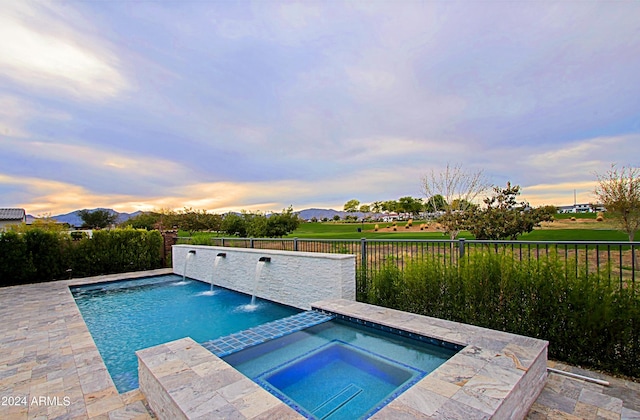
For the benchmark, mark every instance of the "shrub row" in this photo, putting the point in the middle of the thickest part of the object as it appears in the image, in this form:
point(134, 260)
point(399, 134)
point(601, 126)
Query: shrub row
point(38, 255)
point(587, 320)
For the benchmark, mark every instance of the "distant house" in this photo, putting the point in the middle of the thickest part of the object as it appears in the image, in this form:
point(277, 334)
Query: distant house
point(11, 217)
point(390, 217)
point(581, 208)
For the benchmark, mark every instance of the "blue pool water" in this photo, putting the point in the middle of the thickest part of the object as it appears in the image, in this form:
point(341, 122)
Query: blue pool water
point(339, 370)
point(126, 316)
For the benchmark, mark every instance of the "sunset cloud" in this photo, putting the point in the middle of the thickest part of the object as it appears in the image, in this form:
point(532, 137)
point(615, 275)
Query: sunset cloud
point(258, 106)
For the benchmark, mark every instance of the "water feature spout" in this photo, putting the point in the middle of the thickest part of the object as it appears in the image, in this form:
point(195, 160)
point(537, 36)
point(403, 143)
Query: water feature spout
point(219, 258)
point(191, 253)
point(261, 263)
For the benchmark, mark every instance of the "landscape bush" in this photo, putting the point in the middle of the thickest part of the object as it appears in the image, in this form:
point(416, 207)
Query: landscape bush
point(38, 255)
point(587, 320)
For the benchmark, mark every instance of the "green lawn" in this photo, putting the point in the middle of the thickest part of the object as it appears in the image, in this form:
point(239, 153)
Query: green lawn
point(332, 230)
point(329, 230)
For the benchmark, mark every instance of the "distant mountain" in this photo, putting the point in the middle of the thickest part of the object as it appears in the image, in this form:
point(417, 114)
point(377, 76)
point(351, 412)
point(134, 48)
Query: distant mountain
point(74, 219)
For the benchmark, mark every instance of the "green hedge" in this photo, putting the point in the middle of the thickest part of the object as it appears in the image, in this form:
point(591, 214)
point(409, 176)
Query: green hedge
point(38, 255)
point(587, 320)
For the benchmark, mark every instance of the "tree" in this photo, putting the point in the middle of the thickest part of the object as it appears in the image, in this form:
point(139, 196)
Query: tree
point(504, 217)
point(351, 206)
point(459, 189)
point(258, 225)
point(234, 224)
point(145, 220)
point(198, 220)
point(43, 222)
point(410, 205)
point(435, 204)
point(97, 219)
point(167, 220)
point(618, 190)
point(282, 224)
point(389, 205)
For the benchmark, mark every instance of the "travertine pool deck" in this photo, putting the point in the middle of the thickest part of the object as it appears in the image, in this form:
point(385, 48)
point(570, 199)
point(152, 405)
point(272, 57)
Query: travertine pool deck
point(50, 368)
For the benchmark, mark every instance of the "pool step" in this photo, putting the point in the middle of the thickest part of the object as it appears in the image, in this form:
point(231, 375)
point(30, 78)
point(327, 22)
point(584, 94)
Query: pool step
point(336, 402)
point(229, 344)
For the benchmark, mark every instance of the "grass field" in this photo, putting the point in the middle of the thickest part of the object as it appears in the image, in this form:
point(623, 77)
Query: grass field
point(583, 228)
point(557, 231)
point(333, 230)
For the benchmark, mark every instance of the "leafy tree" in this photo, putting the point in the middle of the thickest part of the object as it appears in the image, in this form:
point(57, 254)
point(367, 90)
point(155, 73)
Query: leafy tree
point(376, 206)
point(198, 220)
point(167, 220)
point(256, 225)
point(618, 190)
point(97, 219)
point(145, 220)
point(234, 224)
point(458, 204)
point(365, 208)
point(458, 188)
point(351, 206)
point(435, 203)
point(410, 205)
point(282, 224)
point(390, 205)
point(336, 217)
point(504, 217)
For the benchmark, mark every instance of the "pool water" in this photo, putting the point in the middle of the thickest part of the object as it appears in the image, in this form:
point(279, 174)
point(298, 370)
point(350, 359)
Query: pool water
point(131, 315)
point(339, 370)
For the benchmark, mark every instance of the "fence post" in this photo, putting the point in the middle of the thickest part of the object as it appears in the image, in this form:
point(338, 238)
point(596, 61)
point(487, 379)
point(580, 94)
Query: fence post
point(461, 248)
point(222, 241)
point(363, 253)
point(295, 244)
point(250, 242)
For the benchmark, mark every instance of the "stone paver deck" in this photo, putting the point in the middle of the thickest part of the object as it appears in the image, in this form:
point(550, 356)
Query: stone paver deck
point(50, 367)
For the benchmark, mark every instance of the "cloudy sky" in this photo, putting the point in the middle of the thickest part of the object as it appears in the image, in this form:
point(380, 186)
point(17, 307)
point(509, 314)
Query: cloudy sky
point(219, 105)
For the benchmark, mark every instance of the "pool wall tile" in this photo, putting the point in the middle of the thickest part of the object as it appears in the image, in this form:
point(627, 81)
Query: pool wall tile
point(241, 340)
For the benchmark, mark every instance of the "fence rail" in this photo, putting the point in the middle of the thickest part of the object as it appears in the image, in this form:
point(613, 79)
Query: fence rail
point(615, 260)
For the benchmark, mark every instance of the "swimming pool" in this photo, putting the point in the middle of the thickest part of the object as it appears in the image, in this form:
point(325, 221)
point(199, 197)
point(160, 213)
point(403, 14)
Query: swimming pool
point(130, 315)
point(339, 370)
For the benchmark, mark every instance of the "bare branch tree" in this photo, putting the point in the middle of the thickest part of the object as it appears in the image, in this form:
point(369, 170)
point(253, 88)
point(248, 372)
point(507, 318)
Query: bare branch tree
point(618, 190)
point(459, 188)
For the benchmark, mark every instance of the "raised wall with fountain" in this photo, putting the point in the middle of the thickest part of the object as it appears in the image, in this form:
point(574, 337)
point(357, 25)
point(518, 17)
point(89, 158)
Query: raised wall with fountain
point(292, 278)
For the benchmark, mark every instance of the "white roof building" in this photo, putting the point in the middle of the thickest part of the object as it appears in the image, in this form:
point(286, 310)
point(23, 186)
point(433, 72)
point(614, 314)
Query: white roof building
point(11, 217)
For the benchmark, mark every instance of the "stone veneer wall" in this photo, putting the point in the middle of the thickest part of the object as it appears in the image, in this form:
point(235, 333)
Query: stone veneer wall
point(291, 278)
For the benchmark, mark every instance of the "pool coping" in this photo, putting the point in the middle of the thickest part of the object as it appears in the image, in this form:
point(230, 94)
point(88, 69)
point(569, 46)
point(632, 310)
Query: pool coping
point(49, 360)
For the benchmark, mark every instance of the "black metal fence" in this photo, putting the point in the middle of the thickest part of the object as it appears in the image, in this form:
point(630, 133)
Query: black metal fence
point(615, 260)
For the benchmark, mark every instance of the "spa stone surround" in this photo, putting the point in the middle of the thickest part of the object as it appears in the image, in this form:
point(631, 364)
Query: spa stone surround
point(496, 375)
